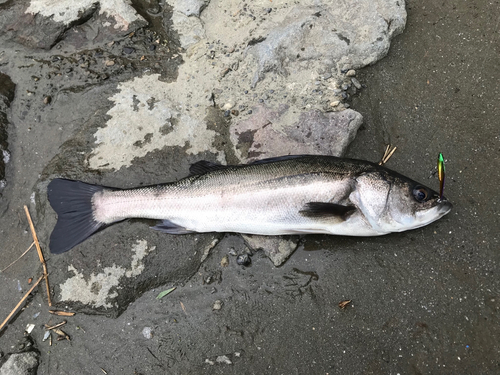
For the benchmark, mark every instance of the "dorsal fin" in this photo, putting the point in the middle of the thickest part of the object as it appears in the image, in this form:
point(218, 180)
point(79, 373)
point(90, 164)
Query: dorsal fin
point(278, 158)
point(204, 166)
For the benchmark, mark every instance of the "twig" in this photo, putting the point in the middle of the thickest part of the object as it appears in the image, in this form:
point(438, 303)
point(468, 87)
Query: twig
point(20, 302)
point(48, 328)
point(62, 313)
point(23, 254)
point(40, 254)
point(387, 155)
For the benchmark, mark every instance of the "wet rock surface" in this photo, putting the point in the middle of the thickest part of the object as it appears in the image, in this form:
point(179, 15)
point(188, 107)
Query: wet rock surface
point(7, 91)
point(128, 93)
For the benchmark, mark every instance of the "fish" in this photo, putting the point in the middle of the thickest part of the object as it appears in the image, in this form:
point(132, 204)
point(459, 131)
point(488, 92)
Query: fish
point(287, 195)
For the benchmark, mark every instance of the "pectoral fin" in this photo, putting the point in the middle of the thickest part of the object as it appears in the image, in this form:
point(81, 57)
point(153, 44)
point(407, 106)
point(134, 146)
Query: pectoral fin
point(325, 209)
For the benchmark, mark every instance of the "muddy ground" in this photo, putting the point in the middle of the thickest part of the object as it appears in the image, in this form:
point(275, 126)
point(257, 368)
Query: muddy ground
point(425, 301)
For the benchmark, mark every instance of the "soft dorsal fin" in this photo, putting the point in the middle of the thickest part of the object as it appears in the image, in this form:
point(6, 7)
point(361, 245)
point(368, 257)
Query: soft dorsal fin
point(204, 166)
point(325, 209)
point(278, 158)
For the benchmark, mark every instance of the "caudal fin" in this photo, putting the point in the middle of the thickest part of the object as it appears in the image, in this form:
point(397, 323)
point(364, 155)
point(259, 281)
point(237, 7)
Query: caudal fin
point(72, 201)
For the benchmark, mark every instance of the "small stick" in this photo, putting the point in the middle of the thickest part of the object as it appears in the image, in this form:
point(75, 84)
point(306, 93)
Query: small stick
point(61, 313)
point(23, 254)
point(20, 302)
point(40, 254)
point(48, 328)
point(183, 308)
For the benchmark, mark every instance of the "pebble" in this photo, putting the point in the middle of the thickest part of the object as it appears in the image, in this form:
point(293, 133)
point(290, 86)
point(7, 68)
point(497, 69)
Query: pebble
point(351, 73)
point(227, 113)
point(47, 100)
point(223, 359)
point(152, 47)
point(249, 112)
point(147, 332)
point(356, 83)
point(109, 63)
point(334, 103)
point(224, 261)
point(217, 305)
point(235, 112)
point(232, 252)
point(345, 86)
point(227, 106)
point(243, 260)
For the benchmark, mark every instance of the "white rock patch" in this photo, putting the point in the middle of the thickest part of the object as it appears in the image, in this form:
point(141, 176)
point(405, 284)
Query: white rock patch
point(95, 290)
point(67, 11)
point(148, 115)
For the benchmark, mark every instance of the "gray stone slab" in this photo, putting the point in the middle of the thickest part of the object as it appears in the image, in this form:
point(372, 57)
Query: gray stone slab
point(20, 364)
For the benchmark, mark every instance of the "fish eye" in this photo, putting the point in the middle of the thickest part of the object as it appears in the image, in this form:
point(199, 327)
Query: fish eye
point(420, 193)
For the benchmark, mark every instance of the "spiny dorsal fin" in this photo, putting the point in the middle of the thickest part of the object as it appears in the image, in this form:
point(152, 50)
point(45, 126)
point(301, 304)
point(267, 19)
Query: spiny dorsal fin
point(278, 158)
point(325, 209)
point(204, 166)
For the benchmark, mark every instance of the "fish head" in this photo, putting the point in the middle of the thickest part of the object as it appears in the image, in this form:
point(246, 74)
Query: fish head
point(391, 202)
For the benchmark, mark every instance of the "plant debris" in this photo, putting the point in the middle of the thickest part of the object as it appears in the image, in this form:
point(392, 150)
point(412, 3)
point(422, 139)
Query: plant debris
point(61, 313)
point(165, 292)
point(344, 304)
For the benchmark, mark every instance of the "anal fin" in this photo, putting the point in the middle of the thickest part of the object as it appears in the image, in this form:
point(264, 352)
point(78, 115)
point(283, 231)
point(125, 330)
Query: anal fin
point(166, 226)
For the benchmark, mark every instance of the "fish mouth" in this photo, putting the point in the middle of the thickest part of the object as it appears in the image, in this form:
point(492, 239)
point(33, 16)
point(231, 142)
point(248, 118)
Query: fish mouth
point(444, 206)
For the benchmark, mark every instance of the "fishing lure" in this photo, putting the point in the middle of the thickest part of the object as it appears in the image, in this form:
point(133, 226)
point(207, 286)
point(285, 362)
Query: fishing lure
point(441, 175)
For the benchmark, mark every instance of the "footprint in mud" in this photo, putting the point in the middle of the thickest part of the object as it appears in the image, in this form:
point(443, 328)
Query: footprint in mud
point(298, 282)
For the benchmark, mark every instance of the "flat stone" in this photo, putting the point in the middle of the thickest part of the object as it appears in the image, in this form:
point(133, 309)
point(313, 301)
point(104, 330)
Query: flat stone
point(277, 249)
point(274, 132)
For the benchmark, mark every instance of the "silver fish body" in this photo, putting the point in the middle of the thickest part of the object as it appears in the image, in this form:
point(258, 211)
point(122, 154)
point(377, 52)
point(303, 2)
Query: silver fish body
point(286, 195)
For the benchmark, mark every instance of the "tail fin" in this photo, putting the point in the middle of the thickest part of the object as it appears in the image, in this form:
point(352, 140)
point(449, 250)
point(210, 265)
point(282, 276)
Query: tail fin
point(72, 201)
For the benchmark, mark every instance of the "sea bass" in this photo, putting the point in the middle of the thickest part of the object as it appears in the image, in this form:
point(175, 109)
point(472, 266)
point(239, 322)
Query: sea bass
point(278, 196)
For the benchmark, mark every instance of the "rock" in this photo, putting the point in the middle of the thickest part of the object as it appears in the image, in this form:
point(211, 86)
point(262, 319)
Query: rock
point(274, 132)
point(7, 89)
point(243, 260)
point(217, 305)
point(361, 36)
point(356, 83)
point(277, 249)
point(190, 29)
point(44, 23)
point(351, 73)
point(147, 332)
point(20, 364)
point(190, 7)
